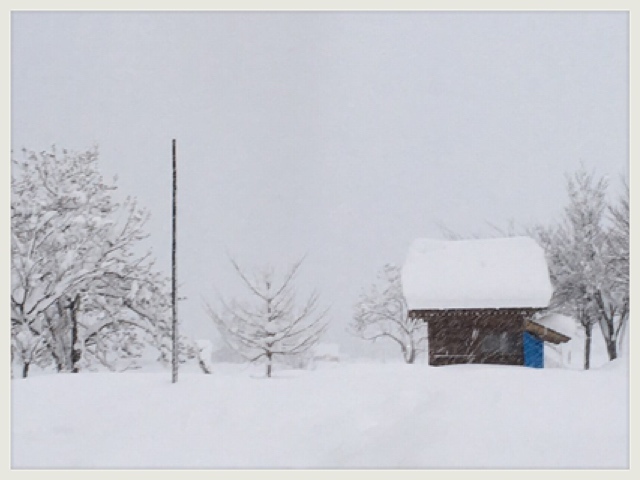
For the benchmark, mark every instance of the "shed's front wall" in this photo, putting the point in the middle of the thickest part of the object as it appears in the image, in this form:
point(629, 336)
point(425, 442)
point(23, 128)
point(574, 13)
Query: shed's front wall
point(476, 336)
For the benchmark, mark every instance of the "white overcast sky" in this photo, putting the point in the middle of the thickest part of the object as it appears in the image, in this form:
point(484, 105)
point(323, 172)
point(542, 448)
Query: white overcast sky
point(342, 136)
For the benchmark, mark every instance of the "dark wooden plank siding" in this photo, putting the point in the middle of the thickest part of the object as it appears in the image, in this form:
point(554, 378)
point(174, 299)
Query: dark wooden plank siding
point(493, 336)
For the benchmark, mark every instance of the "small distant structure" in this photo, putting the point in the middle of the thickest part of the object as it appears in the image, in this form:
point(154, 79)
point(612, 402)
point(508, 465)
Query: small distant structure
point(479, 299)
point(326, 352)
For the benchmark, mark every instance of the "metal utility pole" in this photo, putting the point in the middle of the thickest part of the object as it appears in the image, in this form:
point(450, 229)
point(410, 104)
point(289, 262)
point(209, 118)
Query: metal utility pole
point(174, 306)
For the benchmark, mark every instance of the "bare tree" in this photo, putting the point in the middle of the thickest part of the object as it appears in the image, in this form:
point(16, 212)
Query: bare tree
point(569, 276)
point(381, 312)
point(270, 324)
point(614, 307)
point(588, 253)
point(584, 264)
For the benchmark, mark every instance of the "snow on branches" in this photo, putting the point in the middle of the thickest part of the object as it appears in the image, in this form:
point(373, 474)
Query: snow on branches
point(270, 323)
point(79, 292)
point(588, 254)
point(381, 312)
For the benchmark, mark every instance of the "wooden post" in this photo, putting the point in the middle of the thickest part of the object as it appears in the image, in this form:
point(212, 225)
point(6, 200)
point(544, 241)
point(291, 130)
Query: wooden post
point(174, 307)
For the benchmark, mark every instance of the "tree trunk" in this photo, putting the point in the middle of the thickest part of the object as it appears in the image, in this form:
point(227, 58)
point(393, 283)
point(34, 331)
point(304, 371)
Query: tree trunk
point(203, 367)
point(25, 369)
point(65, 356)
point(52, 345)
point(587, 345)
point(76, 354)
point(56, 358)
point(621, 337)
point(269, 344)
point(411, 357)
point(609, 334)
point(607, 326)
point(612, 349)
point(202, 362)
point(269, 365)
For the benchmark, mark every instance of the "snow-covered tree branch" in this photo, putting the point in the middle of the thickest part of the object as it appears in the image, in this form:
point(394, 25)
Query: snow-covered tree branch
point(588, 256)
point(382, 313)
point(271, 323)
point(78, 285)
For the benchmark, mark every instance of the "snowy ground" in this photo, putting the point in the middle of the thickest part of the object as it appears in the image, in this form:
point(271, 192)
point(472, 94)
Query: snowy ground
point(345, 415)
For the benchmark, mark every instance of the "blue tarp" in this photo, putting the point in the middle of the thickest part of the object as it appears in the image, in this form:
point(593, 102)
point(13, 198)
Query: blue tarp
point(533, 351)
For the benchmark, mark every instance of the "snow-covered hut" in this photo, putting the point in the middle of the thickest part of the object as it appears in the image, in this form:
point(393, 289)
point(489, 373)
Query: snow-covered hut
point(479, 298)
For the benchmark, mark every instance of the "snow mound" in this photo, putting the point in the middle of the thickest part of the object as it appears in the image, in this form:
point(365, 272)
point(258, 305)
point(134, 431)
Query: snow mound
point(352, 416)
point(489, 273)
point(560, 323)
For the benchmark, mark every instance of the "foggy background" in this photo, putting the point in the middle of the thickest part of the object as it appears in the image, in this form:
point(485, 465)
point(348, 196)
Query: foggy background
point(342, 136)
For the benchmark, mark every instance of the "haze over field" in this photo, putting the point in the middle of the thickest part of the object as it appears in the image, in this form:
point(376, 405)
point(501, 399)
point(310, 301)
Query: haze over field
point(313, 149)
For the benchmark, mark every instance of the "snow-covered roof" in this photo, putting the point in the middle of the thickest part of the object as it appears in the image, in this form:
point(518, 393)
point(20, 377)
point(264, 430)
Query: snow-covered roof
point(558, 322)
point(489, 273)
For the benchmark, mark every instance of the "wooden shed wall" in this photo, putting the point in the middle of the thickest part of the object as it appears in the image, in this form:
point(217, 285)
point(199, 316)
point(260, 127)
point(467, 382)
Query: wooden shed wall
point(476, 336)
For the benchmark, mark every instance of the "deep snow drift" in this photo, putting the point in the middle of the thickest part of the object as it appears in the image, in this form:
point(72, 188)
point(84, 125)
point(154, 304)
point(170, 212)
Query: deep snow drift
point(344, 415)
